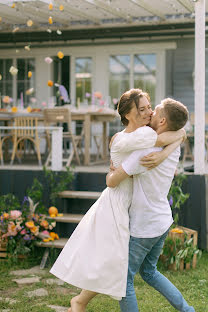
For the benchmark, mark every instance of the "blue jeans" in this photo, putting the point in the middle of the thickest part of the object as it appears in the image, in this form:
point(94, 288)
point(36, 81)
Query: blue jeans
point(143, 257)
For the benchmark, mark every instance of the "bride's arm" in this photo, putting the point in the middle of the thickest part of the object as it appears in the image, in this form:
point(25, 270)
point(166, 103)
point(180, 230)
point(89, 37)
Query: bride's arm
point(153, 159)
point(146, 137)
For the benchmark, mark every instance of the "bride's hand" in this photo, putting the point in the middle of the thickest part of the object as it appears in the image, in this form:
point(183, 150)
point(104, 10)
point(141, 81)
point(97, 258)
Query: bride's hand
point(152, 160)
point(112, 168)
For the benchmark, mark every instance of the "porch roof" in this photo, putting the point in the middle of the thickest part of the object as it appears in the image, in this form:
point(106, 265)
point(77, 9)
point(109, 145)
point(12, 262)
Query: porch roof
point(96, 18)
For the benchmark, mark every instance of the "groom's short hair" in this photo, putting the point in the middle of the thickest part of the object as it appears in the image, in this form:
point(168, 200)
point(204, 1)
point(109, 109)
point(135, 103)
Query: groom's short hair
point(175, 113)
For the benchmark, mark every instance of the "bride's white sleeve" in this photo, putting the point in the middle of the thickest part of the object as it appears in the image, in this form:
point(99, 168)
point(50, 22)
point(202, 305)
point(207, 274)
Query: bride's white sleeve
point(143, 137)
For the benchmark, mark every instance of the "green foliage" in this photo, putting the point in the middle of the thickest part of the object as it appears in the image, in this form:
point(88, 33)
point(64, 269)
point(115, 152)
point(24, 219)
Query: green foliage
point(35, 192)
point(175, 250)
point(46, 192)
point(8, 202)
point(170, 250)
point(176, 196)
point(187, 251)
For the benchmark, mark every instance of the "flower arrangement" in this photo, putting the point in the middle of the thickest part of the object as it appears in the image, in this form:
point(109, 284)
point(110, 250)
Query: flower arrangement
point(23, 227)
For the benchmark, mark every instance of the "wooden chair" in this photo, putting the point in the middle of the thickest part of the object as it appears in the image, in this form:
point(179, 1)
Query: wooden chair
point(22, 135)
point(58, 116)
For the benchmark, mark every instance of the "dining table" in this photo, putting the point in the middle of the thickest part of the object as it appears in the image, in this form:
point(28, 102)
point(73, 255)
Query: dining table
point(88, 115)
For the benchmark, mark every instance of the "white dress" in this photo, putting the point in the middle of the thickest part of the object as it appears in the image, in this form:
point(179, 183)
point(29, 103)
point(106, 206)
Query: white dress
point(96, 255)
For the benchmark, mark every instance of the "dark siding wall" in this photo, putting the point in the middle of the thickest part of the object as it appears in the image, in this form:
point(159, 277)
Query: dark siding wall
point(182, 73)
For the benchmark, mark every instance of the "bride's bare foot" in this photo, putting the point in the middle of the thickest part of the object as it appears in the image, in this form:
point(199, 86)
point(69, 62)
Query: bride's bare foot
point(76, 306)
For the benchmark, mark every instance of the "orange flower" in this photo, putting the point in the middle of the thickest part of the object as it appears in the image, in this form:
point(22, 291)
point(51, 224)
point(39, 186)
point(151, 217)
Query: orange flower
point(45, 240)
point(6, 99)
point(29, 74)
point(50, 20)
point(52, 215)
point(50, 6)
point(52, 235)
point(30, 224)
point(13, 5)
point(34, 230)
point(29, 109)
point(50, 83)
point(6, 215)
point(44, 224)
point(14, 109)
point(98, 95)
point(176, 230)
point(61, 7)
point(60, 55)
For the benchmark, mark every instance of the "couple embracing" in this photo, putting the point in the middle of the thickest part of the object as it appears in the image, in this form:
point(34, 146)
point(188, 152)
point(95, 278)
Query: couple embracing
point(124, 231)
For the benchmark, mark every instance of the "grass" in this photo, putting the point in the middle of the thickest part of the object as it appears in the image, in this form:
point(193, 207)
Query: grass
point(193, 284)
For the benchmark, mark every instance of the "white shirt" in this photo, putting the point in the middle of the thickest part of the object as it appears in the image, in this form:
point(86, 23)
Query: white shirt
point(150, 212)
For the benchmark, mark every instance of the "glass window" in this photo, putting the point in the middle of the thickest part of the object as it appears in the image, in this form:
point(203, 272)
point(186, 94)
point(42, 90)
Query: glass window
point(119, 82)
point(23, 82)
point(83, 75)
point(145, 73)
point(6, 78)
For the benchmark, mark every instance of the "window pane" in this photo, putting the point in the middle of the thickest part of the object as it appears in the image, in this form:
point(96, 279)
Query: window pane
point(7, 78)
point(23, 82)
point(145, 74)
point(83, 74)
point(7, 74)
point(21, 69)
point(119, 66)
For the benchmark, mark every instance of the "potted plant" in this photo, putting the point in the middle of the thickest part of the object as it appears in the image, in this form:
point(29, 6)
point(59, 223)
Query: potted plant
point(180, 248)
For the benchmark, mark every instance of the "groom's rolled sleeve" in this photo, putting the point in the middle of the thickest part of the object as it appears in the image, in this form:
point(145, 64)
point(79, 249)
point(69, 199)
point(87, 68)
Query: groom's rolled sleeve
point(132, 164)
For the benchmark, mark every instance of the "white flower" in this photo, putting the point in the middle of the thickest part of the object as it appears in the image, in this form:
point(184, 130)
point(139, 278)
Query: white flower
point(29, 91)
point(48, 60)
point(13, 70)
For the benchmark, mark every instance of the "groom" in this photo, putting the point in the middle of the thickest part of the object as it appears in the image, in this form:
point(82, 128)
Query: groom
point(150, 213)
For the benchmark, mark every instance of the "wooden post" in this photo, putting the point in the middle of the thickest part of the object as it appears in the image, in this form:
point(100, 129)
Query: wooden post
point(87, 132)
point(56, 153)
point(199, 123)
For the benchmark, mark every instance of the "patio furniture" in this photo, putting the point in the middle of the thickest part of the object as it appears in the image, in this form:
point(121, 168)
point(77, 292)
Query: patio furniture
point(89, 116)
point(20, 135)
point(59, 116)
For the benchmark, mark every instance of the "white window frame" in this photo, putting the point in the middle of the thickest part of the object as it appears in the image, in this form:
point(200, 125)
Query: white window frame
point(159, 49)
point(73, 58)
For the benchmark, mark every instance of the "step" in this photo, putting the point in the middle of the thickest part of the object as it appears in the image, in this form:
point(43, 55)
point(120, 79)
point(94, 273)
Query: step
point(68, 218)
point(59, 243)
point(79, 194)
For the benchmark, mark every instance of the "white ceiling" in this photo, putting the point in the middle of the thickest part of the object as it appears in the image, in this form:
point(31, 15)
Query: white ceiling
point(93, 13)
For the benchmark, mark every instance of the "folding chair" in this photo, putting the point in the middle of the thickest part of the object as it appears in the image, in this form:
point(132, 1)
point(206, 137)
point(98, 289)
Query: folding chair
point(58, 116)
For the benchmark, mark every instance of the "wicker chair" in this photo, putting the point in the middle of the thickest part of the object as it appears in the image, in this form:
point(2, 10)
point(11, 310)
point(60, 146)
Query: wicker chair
point(21, 135)
point(58, 116)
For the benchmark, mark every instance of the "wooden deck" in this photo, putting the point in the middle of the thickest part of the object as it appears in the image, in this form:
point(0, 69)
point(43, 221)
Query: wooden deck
point(68, 218)
point(60, 243)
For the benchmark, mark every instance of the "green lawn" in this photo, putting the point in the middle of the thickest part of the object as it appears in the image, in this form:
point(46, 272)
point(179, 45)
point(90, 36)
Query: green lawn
point(193, 284)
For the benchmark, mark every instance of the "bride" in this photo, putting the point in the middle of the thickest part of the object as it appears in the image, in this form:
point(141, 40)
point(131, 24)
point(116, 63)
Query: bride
point(95, 258)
